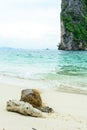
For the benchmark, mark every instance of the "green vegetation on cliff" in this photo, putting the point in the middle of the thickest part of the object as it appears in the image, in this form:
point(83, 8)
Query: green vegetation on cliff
point(79, 29)
point(74, 18)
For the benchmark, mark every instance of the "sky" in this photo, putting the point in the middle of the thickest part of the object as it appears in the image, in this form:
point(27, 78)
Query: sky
point(33, 24)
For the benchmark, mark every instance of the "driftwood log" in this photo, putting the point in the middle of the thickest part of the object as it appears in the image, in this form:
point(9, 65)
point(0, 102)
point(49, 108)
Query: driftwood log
point(23, 108)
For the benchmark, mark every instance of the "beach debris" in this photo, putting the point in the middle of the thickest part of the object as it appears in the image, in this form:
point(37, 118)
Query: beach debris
point(29, 104)
point(31, 96)
point(23, 108)
point(46, 109)
point(34, 129)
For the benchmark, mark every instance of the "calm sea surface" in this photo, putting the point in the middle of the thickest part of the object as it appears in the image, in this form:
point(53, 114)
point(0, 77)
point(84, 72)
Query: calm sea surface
point(67, 68)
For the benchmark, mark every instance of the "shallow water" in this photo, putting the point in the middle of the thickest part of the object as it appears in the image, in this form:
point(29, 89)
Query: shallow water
point(58, 68)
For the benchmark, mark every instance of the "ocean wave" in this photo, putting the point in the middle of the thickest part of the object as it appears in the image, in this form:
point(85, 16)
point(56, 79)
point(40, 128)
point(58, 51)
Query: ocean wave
point(72, 89)
point(65, 67)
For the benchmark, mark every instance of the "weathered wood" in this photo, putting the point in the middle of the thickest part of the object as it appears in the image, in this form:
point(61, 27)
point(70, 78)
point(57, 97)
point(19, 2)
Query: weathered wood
point(23, 108)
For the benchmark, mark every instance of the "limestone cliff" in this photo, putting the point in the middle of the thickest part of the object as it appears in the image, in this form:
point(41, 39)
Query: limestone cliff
point(73, 25)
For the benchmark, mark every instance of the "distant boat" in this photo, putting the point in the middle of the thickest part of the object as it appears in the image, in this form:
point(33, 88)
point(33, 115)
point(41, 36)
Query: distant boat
point(47, 48)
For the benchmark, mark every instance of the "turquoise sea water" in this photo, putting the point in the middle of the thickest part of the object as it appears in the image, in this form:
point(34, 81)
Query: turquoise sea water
point(66, 68)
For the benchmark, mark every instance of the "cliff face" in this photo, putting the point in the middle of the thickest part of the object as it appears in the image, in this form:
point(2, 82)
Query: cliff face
point(73, 25)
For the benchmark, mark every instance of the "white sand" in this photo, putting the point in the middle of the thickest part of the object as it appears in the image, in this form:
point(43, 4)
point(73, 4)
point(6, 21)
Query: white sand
point(71, 111)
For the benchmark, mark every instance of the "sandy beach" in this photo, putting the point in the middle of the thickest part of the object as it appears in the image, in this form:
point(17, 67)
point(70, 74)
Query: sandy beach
point(70, 111)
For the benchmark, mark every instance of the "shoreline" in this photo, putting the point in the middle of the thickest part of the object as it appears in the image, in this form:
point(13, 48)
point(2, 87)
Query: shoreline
point(43, 84)
point(70, 109)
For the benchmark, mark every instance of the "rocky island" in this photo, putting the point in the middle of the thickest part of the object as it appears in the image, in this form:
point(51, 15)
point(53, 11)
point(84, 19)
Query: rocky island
point(73, 25)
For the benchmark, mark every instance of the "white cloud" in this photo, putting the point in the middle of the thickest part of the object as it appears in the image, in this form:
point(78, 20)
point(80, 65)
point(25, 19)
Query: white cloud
point(24, 30)
point(31, 25)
